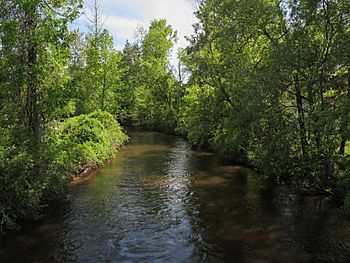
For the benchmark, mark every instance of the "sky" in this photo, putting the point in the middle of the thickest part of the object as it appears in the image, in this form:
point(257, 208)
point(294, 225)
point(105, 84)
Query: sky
point(122, 17)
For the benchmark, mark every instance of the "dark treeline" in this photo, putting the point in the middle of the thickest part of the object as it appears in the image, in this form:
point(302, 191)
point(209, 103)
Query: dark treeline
point(265, 80)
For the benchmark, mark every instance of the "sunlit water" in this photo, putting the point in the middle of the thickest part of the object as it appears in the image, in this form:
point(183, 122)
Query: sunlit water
point(159, 201)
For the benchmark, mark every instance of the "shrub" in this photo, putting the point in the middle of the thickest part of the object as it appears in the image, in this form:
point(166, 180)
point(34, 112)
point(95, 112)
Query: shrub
point(85, 139)
point(30, 178)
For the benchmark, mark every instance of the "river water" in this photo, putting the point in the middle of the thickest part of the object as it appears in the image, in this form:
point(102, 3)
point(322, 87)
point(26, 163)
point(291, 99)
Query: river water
point(160, 201)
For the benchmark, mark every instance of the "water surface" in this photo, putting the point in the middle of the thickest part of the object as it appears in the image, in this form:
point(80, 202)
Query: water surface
point(160, 201)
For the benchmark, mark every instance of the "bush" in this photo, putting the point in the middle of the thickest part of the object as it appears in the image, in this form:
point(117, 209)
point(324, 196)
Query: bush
point(85, 139)
point(20, 189)
point(30, 178)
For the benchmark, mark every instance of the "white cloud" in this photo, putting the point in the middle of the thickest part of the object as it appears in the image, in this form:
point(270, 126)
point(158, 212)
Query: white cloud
point(178, 13)
point(121, 28)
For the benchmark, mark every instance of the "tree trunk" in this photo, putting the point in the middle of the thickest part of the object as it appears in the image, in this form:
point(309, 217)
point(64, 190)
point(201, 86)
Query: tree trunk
point(301, 120)
point(104, 87)
point(32, 99)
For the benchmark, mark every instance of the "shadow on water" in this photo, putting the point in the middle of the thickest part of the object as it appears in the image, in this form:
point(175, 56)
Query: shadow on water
point(159, 201)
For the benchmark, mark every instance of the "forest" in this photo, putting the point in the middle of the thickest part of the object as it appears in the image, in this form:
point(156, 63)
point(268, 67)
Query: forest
point(263, 81)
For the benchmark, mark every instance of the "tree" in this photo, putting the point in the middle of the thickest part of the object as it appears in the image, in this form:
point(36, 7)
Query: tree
point(101, 74)
point(34, 51)
point(280, 84)
point(154, 95)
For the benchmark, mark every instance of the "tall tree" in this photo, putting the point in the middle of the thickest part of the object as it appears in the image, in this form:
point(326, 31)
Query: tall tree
point(34, 51)
point(102, 75)
point(279, 84)
point(154, 96)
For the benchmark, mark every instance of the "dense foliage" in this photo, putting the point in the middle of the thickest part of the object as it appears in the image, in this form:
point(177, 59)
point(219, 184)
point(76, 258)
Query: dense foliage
point(85, 139)
point(78, 142)
point(270, 81)
point(157, 93)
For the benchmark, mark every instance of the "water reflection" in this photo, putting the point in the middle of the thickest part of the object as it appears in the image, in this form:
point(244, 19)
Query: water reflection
point(159, 201)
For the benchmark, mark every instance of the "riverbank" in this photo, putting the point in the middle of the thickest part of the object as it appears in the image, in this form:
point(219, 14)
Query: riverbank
point(68, 148)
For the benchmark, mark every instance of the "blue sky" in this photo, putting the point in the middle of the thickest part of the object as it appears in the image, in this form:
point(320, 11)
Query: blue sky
point(122, 17)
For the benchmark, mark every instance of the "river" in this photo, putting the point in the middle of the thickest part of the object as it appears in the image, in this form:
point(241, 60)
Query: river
point(160, 201)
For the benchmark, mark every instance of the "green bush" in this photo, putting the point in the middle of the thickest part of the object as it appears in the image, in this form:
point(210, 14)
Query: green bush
point(20, 189)
point(85, 139)
point(31, 178)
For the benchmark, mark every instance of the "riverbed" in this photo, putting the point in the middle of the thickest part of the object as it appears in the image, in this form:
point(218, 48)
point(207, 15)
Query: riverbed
point(160, 201)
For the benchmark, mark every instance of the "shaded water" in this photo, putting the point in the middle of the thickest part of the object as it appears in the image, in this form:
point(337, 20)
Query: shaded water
point(159, 201)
